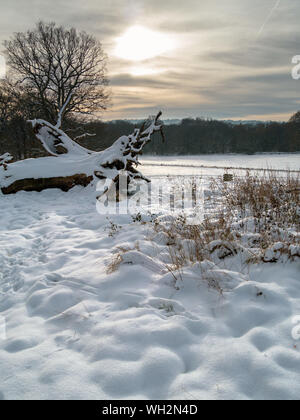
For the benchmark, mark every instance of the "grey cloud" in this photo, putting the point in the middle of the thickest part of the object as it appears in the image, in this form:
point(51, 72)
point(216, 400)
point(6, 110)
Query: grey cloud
point(212, 74)
point(128, 80)
point(275, 51)
point(192, 25)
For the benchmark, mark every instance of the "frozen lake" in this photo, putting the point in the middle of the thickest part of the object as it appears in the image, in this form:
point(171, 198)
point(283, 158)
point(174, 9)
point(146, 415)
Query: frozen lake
point(217, 164)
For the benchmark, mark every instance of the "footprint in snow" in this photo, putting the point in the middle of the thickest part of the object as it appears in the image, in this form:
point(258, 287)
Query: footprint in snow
point(53, 277)
point(169, 307)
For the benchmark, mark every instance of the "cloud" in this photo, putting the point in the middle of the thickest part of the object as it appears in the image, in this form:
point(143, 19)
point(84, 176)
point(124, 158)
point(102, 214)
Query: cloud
point(146, 82)
point(219, 68)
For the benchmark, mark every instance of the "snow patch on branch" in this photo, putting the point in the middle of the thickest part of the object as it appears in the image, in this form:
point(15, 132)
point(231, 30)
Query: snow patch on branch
point(62, 110)
point(6, 158)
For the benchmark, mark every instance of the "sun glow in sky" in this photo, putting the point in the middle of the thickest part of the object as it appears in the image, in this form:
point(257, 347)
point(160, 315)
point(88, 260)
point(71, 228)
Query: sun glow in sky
point(139, 43)
point(208, 58)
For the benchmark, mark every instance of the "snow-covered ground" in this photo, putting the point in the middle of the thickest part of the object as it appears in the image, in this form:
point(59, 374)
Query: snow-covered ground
point(73, 331)
point(214, 164)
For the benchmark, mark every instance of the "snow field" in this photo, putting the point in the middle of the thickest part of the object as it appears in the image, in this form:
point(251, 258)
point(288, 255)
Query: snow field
point(75, 332)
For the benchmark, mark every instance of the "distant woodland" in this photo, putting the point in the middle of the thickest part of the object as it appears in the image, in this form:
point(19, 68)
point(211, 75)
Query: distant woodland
point(192, 136)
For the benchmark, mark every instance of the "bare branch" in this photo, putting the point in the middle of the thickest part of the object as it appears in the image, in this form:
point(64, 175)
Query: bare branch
point(64, 68)
point(62, 110)
point(83, 136)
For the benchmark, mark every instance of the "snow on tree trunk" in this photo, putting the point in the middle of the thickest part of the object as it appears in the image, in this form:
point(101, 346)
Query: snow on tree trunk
point(71, 164)
point(4, 160)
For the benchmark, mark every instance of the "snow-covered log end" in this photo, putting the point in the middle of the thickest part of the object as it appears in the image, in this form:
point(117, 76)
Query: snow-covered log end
point(70, 164)
point(5, 159)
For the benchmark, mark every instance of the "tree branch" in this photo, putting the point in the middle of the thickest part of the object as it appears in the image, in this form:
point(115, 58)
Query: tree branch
point(62, 110)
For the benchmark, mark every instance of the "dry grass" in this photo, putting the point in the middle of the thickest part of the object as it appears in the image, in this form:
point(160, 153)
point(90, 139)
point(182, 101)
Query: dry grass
point(271, 199)
point(253, 219)
point(252, 213)
point(115, 263)
point(117, 259)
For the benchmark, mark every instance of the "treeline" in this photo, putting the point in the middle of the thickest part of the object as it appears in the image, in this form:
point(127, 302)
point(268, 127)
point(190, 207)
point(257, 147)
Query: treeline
point(192, 136)
point(203, 136)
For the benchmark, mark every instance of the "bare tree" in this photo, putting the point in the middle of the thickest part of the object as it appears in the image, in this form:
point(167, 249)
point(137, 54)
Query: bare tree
point(6, 105)
point(17, 105)
point(295, 118)
point(60, 66)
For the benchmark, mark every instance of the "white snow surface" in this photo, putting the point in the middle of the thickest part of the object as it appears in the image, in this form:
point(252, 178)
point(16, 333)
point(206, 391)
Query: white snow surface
point(75, 332)
point(214, 164)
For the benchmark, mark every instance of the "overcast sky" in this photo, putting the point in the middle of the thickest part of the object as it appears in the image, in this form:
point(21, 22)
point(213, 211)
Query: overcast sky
point(211, 58)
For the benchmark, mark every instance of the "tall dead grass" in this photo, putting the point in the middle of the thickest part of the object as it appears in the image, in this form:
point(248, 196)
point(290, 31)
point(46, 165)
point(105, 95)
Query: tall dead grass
point(251, 214)
point(271, 199)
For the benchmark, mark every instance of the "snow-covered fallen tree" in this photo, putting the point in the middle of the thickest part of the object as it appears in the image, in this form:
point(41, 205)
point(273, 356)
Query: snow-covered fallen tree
point(70, 164)
point(5, 159)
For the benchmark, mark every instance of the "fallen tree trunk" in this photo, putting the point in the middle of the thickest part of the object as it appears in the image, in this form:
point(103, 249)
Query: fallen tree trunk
point(40, 184)
point(70, 164)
